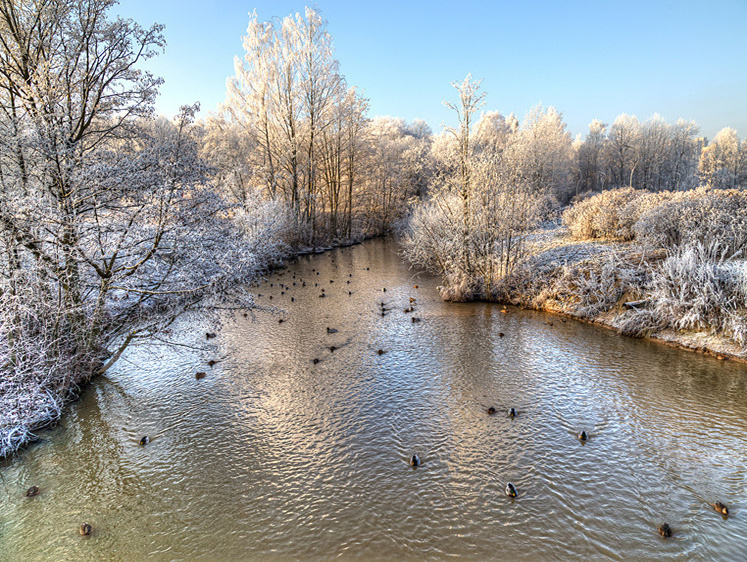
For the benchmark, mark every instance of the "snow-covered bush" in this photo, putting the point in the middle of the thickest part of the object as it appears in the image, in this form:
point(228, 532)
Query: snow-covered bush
point(697, 288)
point(600, 216)
point(706, 216)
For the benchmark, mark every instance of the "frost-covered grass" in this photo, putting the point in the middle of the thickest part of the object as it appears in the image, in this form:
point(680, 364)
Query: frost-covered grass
point(679, 256)
point(663, 220)
point(689, 288)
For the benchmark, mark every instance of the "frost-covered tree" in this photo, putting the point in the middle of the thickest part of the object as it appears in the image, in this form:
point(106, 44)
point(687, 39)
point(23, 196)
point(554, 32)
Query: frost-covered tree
point(591, 163)
point(470, 100)
point(723, 163)
point(108, 229)
point(622, 154)
point(303, 122)
point(542, 152)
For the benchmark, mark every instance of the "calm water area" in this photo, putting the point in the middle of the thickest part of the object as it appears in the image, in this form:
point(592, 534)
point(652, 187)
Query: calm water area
point(274, 456)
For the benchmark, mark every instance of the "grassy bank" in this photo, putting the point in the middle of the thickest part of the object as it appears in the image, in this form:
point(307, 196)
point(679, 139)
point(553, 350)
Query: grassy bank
point(618, 285)
point(666, 266)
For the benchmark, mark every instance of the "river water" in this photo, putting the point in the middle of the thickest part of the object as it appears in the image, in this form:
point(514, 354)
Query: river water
point(275, 456)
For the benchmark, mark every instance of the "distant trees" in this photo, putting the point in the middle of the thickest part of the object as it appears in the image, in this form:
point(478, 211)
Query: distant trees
point(491, 177)
point(652, 155)
point(301, 123)
point(723, 163)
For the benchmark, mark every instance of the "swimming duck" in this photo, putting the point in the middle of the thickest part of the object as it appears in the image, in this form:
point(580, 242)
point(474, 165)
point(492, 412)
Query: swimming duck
point(85, 529)
point(145, 440)
point(415, 460)
point(331, 330)
point(491, 410)
point(721, 508)
point(583, 436)
point(501, 334)
point(315, 360)
point(665, 530)
point(33, 491)
point(415, 319)
point(381, 352)
point(511, 490)
point(212, 362)
point(199, 375)
point(210, 335)
point(512, 413)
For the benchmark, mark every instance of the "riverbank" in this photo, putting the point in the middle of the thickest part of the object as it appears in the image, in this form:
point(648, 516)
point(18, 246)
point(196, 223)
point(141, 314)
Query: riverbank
point(608, 284)
point(31, 401)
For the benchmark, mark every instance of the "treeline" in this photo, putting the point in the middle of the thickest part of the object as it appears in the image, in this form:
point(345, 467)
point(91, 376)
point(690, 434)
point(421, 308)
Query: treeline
point(658, 156)
point(495, 180)
point(293, 131)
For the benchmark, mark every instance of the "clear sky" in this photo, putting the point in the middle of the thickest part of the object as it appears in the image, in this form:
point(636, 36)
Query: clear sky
point(590, 59)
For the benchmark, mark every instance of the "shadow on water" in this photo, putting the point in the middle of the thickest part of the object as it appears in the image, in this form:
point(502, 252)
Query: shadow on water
point(274, 455)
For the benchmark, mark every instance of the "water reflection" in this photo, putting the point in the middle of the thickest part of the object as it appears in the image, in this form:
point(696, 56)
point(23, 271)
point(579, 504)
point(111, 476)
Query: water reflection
point(274, 456)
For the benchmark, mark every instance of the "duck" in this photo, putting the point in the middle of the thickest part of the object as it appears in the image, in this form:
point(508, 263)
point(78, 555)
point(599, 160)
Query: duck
point(210, 335)
point(511, 490)
point(331, 330)
point(145, 440)
point(315, 360)
point(85, 529)
point(501, 334)
point(512, 413)
point(491, 410)
point(721, 508)
point(665, 530)
point(212, 362)
point(583, 436)
point(33, 491)
point(198, 375)
point(415, 460)
point(381, 352)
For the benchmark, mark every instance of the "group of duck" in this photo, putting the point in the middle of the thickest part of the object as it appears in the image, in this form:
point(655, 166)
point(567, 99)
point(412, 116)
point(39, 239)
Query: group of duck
point(510, 490)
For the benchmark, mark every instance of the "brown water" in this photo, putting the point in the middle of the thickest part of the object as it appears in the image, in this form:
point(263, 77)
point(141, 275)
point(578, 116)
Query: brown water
point(271, 456)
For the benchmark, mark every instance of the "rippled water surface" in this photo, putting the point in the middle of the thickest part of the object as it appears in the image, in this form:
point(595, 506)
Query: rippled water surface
point(274, 456)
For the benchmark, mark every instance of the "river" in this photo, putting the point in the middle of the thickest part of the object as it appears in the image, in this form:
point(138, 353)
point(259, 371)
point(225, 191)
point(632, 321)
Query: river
point(273, 455)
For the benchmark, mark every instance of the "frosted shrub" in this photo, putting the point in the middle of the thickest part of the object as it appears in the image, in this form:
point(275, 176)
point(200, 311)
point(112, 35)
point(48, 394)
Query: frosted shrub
point(695, 288)
point(705, 216)
point(433, 234)
point(267, 228)
point(599, 216)
point(590, 287)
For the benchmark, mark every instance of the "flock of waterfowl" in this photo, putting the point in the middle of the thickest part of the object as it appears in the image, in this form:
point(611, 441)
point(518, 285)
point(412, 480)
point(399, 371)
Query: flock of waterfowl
point(415, 461)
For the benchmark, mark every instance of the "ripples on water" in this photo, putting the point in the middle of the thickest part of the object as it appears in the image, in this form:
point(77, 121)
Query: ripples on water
point(271, 456)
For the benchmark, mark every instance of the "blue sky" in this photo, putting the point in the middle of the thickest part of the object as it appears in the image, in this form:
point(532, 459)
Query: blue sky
point(589, 59)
